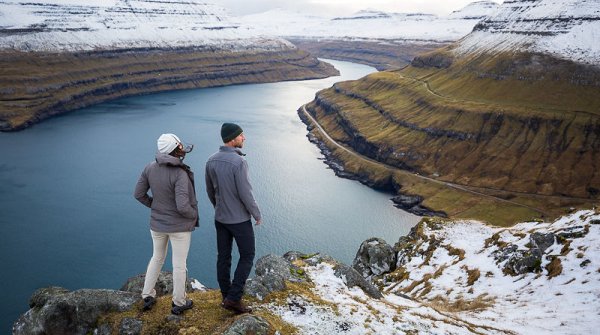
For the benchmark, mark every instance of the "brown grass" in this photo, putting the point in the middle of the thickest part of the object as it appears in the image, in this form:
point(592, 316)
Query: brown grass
point(554, 268)
point(452, 251)
point(206, 317)
point(566, 247)
point(481, 302)
point(473, 276)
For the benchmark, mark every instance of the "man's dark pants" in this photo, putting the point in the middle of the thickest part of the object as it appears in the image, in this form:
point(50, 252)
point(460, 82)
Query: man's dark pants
point(243, 234)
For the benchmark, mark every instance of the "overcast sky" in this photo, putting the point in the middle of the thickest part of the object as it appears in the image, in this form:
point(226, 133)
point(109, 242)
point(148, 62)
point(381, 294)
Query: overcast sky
point(344, 7)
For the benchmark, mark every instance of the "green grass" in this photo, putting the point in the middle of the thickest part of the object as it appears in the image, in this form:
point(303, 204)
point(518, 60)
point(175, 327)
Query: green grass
point(34, 86)
point(533, 142)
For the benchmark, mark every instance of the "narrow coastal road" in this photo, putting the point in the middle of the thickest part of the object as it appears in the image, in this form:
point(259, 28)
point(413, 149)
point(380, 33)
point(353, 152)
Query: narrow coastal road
point(448, 184)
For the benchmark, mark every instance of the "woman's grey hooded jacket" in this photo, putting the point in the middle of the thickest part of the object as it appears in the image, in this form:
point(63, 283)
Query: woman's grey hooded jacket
point(173, 201)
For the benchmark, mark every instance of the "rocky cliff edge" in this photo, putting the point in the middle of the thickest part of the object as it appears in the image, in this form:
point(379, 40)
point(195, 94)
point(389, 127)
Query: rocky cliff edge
point(445, 277)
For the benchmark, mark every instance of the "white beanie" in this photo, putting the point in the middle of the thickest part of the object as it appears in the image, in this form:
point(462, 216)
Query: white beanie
point(166, 143)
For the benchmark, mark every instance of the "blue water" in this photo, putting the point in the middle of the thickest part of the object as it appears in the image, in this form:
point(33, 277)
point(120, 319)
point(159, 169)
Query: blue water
point(69, 219)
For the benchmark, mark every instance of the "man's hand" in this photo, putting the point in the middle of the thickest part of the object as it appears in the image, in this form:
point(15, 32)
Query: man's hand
point(258, 222)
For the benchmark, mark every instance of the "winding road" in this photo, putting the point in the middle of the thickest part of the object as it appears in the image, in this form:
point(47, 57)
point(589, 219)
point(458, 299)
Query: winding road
point(444, 183)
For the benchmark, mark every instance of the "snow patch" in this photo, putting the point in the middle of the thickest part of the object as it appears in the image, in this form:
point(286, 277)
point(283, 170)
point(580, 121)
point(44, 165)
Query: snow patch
point(68, 25)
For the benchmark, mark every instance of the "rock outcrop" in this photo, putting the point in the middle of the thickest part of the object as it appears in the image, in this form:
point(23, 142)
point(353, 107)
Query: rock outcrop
point(57, 311)
point(444, 275)
point(374, 257)
point(272, 273)
point(164, 284)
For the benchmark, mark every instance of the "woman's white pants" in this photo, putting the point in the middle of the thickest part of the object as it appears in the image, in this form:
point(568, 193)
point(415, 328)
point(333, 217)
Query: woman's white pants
point(180, 245)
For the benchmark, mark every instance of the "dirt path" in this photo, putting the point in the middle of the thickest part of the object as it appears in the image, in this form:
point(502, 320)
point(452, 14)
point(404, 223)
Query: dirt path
point(447, 184)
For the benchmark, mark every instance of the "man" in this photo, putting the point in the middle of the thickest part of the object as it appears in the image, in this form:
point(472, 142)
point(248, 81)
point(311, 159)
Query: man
point(230, 192)
point(174, 215)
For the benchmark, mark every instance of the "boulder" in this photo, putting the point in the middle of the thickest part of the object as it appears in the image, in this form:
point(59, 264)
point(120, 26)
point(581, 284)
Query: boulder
point(523, 261)
point(130, 326)
point(502, 254)
point(573, 232)
point(374, 257)
point(352, 278)
point(255, 288)
point(249, 324)
point(540, 242)
point(310, 259)
point(260, 286)
point(279, 265)
point(164, 284)
point(271, 274)
point(58, 311)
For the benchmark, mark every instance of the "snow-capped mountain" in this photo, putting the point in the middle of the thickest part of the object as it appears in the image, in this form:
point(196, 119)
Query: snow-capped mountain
point(372, 24)
point(475, 11)
point(68, 25)
point(568, 29)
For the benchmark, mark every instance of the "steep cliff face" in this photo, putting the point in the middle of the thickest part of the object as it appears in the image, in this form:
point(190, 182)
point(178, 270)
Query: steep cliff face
point(563, 29)
point(57, 56)
point(35, 86)
point(66, 25)
point(476, 114)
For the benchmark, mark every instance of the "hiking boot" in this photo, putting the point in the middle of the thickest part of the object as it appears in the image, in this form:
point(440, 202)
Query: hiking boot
point(235, 306)
point(177, 310)
point(148, 303)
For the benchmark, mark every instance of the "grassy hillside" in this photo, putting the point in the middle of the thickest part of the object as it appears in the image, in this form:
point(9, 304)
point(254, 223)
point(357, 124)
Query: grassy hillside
point(524, 128)
point(34, 86)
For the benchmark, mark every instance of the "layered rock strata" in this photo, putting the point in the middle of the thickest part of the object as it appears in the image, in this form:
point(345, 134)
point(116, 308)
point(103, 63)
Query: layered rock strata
point(57, 55)
point(380, 54)
point(36, 85)
point(474, 114)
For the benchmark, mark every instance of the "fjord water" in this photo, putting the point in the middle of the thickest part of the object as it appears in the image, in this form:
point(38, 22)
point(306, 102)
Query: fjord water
point(69, 218)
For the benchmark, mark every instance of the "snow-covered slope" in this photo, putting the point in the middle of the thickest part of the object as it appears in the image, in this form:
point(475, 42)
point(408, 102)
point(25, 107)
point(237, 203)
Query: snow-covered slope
point(455, 280)
point(568, 29)
point(475, 10)
point(370, 24)
point(67, 25)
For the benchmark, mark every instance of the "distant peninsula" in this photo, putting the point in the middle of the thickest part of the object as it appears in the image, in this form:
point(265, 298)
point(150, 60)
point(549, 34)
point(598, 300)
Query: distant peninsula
point(56, 58)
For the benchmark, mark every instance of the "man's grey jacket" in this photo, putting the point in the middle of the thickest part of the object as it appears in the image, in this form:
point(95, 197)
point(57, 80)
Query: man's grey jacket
point(173, 201)
point(228, 187)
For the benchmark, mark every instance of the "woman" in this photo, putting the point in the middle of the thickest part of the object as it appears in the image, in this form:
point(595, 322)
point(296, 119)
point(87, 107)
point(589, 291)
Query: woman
point(173, 216)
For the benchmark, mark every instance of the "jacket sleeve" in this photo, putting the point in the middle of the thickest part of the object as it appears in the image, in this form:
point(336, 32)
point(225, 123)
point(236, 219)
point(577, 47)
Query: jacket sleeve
point(245, 191)
point(183, 196)
point(141, 190)
point(210, 189)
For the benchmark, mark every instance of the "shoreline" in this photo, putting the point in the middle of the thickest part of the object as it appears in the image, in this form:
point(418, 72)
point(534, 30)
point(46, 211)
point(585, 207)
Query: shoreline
point(407, 202)
point(37, 86)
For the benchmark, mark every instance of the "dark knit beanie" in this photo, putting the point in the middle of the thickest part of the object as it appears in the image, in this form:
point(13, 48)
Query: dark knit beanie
point(229, 131)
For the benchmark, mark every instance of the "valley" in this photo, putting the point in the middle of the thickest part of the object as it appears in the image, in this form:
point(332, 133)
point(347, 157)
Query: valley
point(475, 130)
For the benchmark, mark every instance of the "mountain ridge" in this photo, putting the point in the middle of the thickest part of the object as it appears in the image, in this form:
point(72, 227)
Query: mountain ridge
point(61, 55)
point(380, 39)
point(519, 121)
point(61, 25)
